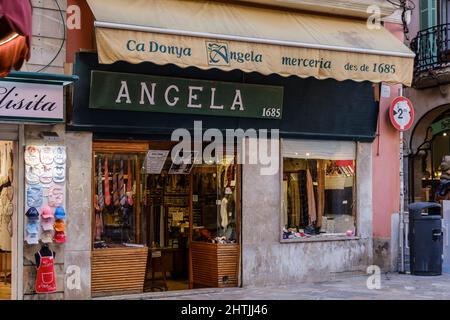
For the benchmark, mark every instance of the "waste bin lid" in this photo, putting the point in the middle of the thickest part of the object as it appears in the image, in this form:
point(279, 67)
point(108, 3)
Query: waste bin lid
point(419, 206)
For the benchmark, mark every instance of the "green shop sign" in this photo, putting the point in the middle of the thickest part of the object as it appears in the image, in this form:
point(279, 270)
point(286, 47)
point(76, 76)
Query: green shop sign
point(138, 92)
point(440, 126)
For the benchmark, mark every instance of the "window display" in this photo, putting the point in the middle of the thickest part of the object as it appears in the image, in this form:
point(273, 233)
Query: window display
point(114, 201)
point(318, 185)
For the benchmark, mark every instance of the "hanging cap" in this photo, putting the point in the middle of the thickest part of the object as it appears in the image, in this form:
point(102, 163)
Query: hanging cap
point(32, 213)
point(60, 237)
point(47, 224)
point(47, 212)
point(47, 236)
point(60, 225)
point(60, 213)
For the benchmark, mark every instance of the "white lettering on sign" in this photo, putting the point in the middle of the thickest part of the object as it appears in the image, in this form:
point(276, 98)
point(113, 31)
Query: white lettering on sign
point(31, 101)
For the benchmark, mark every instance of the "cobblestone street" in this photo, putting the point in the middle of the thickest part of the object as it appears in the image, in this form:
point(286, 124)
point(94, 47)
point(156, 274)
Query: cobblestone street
point(347, 287)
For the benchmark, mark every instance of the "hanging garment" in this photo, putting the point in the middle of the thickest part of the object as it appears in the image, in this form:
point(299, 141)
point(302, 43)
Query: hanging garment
point(123, 198)
point(107, 192)
point(101, 200)
point(311, 201)
point(295, 200)
point(320, 192)
point(224, 213)
point(45, 279)
point(129, 184)
point(304, 214)
point(98, 231)
point(116, 199)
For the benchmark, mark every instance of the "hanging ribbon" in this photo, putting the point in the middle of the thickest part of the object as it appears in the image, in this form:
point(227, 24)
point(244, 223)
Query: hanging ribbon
point(107, 192)
point(116, 199)
point(123, 198)
point(130, 184)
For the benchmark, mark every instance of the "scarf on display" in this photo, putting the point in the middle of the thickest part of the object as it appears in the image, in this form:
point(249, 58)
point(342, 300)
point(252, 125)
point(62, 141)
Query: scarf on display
point(130, 185)
point(123, 198)
point(107, 193)
point(310, 195)
point(116, 200)
point(100, 200)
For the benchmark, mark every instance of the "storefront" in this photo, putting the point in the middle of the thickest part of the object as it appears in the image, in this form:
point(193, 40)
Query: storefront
point(32, 113)
point(226, 220)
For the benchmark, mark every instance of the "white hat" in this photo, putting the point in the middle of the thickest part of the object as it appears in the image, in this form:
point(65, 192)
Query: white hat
point(59, 173)
point(32, 155)
point(32, 238)
point(46, 176)
point(59, 155)
point(46, 155)
point(47, 224)
point(32, 173)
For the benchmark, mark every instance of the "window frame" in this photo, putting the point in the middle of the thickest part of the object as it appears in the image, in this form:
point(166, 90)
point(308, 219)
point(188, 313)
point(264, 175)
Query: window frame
point(322, 237)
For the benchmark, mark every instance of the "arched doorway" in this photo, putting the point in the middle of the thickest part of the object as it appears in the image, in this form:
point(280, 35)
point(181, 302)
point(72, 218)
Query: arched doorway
point(430, 142)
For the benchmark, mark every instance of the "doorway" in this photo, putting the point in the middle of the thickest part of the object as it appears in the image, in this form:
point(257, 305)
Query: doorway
point(8, 207)
point(186, 215)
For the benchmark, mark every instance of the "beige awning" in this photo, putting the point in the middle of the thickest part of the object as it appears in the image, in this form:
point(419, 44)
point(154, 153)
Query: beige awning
point(210, 34)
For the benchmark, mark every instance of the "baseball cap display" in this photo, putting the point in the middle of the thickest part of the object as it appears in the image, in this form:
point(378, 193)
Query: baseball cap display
point(59, 174)
point(60, 237)
point(60, 155)
point(60, 213)
point(32, 213)
point(31, 156)
point(45, 171)
point(47, 224)
point(46, 155)
point(60, 226)
point(34, 196)
point(55, 196)
point(47, 236)
point(47, 212)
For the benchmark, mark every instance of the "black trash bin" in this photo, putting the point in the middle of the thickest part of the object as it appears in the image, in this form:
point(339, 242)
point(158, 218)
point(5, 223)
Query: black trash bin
point(425, 239)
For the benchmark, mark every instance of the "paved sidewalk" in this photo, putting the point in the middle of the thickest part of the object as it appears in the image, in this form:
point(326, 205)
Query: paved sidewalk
point(394, 286)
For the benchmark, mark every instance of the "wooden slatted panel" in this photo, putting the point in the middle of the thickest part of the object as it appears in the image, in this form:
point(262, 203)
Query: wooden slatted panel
point(212, 262)
point(118, 270)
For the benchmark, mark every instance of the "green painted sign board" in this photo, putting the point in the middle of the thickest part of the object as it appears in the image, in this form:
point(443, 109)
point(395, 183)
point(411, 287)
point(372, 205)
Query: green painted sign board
point(139, 92)
point(440, 126)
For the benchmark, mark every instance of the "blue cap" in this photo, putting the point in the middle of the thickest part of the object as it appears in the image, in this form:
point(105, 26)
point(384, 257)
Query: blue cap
point(32, 213)
point(60, 213)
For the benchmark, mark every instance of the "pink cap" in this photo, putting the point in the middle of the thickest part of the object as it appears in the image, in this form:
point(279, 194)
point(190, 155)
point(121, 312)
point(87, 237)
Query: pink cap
point(47, 212)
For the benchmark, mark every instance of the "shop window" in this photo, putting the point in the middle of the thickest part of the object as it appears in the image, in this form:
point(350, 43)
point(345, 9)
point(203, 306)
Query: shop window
point(319, 194)
point(117, 198)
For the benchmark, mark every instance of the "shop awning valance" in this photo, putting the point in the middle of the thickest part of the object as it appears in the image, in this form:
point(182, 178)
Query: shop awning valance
point(228, 36)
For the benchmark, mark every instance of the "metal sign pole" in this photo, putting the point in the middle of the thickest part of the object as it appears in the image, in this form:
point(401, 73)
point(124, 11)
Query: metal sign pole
point(401, 217)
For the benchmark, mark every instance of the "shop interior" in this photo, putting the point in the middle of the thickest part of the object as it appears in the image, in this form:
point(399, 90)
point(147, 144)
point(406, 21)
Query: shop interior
point(6, 217)
point(319, 198)
point(183, 213)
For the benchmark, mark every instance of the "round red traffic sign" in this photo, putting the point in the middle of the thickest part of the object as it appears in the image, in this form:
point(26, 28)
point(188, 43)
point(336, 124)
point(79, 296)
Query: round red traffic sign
point(401, 113)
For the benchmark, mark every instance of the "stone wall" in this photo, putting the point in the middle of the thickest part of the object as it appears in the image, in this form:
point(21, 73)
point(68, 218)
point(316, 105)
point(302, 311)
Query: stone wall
point(266, 261)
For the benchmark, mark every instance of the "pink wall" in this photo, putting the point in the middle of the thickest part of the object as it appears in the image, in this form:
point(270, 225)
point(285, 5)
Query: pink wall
point(385, 161)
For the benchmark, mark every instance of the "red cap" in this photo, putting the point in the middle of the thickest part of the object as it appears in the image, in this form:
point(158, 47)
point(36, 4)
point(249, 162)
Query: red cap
point(60, 237)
